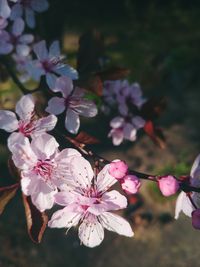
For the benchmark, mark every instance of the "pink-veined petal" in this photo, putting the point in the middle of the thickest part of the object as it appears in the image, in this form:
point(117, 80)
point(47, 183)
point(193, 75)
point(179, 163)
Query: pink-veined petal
point(25, 107)
point(45, 124)
point(65, 198)
point(85, 108)
point(72, 121)
point(65, 218)
point(56, 105)
point(82, 172)
point(91, 233)
point(112, 200)
point(104, 179)
point(44, 146)
point(8, 121)
point(115, 223)
point(43, 199)
point(22, 155)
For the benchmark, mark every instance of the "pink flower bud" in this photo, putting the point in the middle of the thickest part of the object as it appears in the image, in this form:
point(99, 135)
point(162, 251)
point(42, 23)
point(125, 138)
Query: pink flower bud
point(118, 169)
point(130, 184)
point(168, 185)
point(196, 219)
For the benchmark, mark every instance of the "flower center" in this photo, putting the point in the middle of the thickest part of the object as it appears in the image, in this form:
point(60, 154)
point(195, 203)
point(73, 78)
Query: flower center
point(50, 64)
point(44, 168)
point(26, 127)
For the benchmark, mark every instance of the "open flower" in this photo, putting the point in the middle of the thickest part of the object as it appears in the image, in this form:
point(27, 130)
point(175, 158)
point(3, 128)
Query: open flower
point(89, 203)
point(27, 125)
point(184, 203)
point(73, 102)
point(49, 63)
point(43, 168)
point(5, 9)
point(125, 129)
point(16, 40)
point(28, 7)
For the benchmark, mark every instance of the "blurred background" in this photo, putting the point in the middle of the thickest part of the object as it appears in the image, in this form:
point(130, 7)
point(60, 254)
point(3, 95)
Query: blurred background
point(159, 42)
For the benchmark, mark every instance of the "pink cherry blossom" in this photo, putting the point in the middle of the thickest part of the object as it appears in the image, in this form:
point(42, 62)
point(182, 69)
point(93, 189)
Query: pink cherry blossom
point(28, 7)
point(27, 125)
point(196, 219)
point(183, 202)
point(123, 128)
point(73, 102)
point(130, 184)
point(168, 185)
point(5, 9)
point(43, 168)
point(16, 40)
point(50, 64)
point(118, 169)
point(88, 203)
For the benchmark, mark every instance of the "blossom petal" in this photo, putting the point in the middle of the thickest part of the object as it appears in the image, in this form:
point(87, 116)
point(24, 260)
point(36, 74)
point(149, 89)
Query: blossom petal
point(63, 85)
point(22, 155)
point(112, 200)
point(23, 50)
point(43, 199)
point(4, 9)
point(104, 179)
point(117, 122)
point(91, 234)
point(130, 132)
point(85, 108)
point(45, 124)
point(64, 198)
point(30, 18)
point(8, 121)
point(44, 146)
point(40, 50)
point(82, 172)
point(18, 27)
point(68, 71)
point(56, 105)
point(25, 107)
point(183, 204)
point(16, 12)
point(115, 223)
point(66, 218)
point(51, 80)
point(195, 171)
point(72, 121)
point(54, 49)
point(15, 138)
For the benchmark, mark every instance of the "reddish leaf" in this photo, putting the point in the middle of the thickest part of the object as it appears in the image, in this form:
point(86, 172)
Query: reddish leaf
point(114, 73)
point(82, 139)
point(36, 220)
point(86, 139)
point(153, 108)
point(155, 134)
point(6, 194)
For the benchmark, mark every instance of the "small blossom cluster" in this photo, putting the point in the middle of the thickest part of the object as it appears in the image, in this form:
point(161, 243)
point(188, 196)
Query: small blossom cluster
point(50, 176)
point(127, 99)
